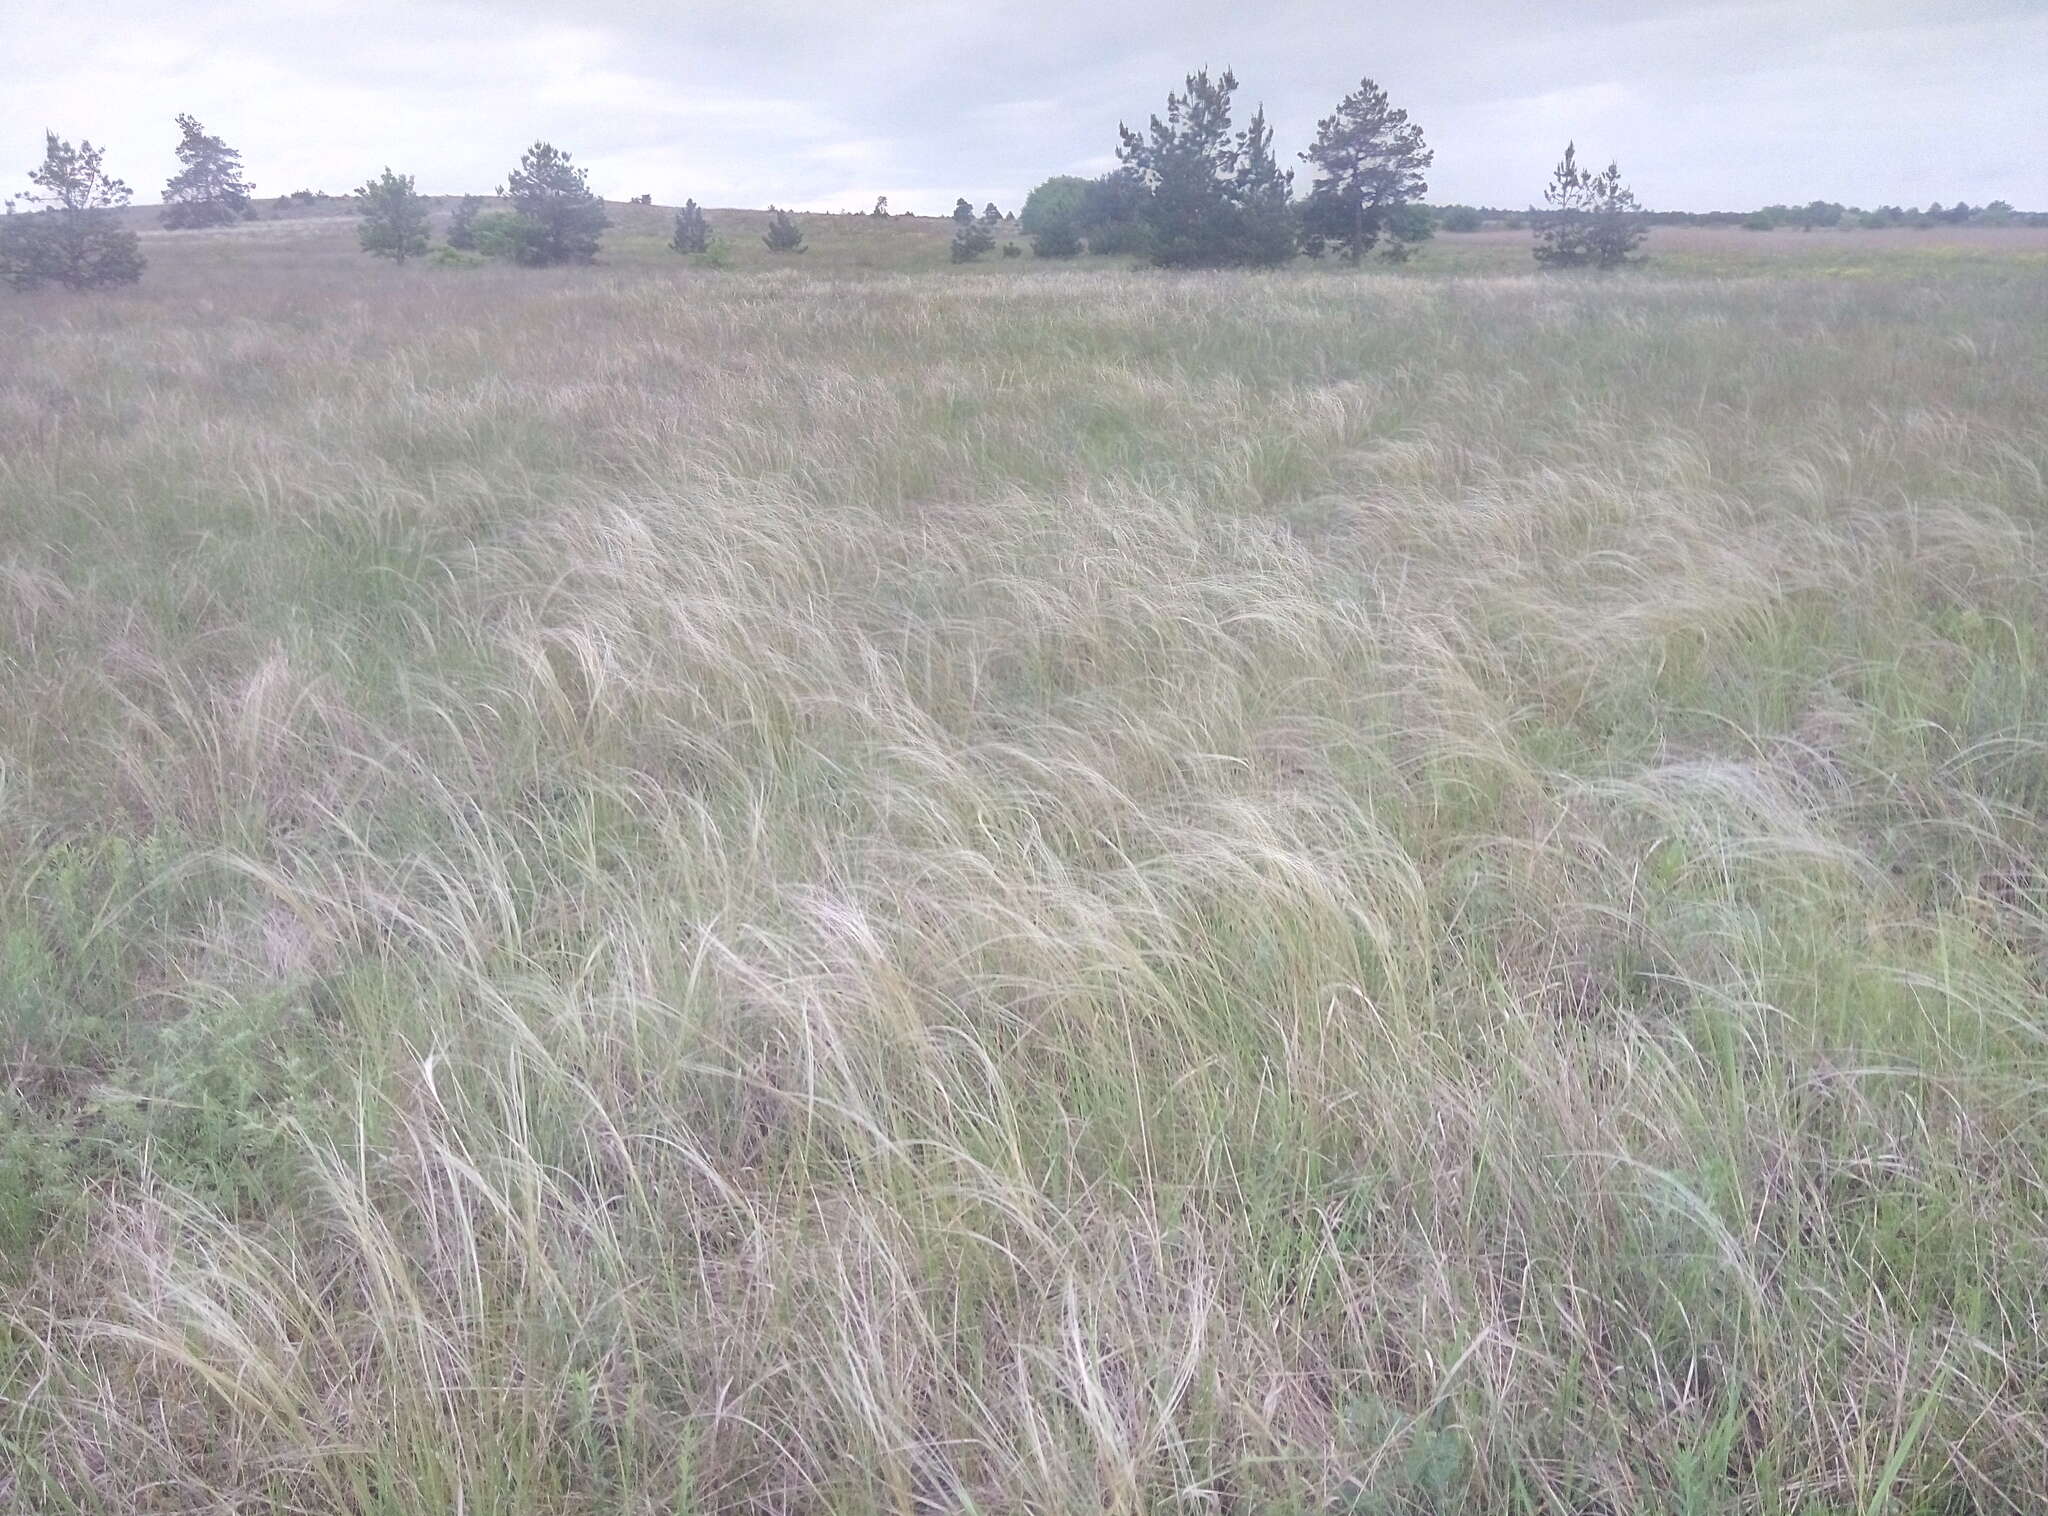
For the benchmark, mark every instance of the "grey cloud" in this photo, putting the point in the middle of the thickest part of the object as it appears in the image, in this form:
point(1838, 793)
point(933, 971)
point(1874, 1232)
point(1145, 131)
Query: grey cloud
point(1706, 102)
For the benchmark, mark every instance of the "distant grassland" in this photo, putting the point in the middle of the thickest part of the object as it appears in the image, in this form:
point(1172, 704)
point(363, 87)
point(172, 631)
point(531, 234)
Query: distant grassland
point(860, 243)
point(1026, 889)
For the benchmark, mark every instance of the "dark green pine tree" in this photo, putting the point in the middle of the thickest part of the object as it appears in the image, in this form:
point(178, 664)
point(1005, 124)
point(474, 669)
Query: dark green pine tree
point(462, 223)
point(1112, 215)
point(990, 216)
point(1588, 219)
point(1264, 195)
point(1056, 237)
point(962, 211)
point(693, 232)
point(1369, 161)
point(783, 235)
point(208, 190)
point(1187, 161)
point(561, 219)
point(971, 237)
point(71, 237)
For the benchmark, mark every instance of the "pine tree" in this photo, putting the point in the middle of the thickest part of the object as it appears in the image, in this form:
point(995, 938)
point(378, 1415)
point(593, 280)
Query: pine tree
point(462, 223)
point(394, 218)
point(563, 219)
point(1369, 160)
point(784, 235)
point(962, 211)
point(1207, 198)
point(1264, 195)
point(693, 232)
point(1112, 215)
point(990, 216)
point(1188, 164)
point(971, 238)
point(71, 238)
point(209, 189)
point(1588, 218)
point(1056, 237)
point(881, 206)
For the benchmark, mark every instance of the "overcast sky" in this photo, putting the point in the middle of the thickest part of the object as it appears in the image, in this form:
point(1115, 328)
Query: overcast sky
point(1707, 103)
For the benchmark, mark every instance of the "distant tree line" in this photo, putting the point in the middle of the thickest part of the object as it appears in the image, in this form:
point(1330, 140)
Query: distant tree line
point(1814, 214)
point(1191, 190)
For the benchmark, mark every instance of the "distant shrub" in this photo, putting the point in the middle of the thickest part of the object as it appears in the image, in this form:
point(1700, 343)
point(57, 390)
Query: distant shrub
point(462, 223)
point(1056, 238)
point(508, 236)
point(641, 200)
point(784, 235)
point(451, 257)
point(1012, 250)
point(1758, 221)
point(1460, 218)
point(717, 254)
point(972, 239)
point(693, 232)
point(1059, 195)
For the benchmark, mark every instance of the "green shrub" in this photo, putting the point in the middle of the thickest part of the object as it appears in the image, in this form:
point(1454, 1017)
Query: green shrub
point(972, 239)
point(508, 235)
point(462, 223)
point(1056, 238)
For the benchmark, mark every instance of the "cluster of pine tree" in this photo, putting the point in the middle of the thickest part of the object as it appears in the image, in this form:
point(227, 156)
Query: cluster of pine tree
point(1589, 219)
point(1192, 191)
point(974, 235)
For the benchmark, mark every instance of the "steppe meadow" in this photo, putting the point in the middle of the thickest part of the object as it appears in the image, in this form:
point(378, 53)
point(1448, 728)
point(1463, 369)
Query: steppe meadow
point(846, 885)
